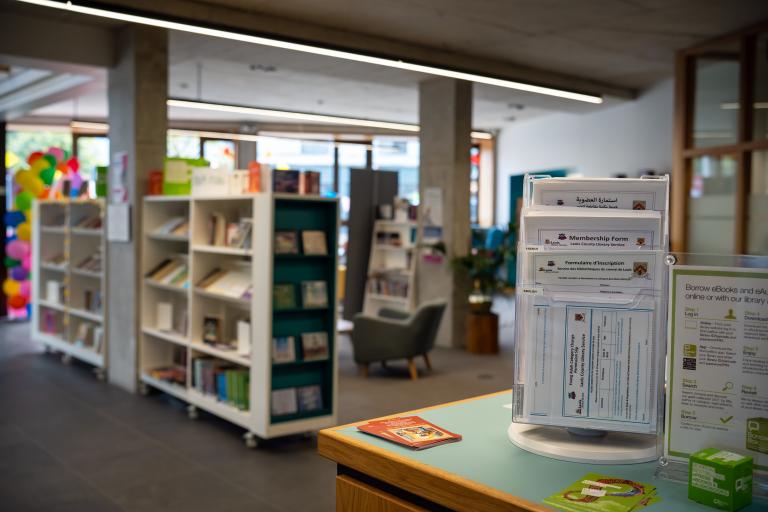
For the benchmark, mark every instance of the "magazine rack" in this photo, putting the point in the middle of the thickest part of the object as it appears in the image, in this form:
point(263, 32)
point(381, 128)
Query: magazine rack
point(591, 310)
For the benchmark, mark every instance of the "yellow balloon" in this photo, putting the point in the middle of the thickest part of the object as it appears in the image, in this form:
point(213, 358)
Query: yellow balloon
point(11, 287)
point(23, 176)
point(34, 186)
point(38, 165)
point(24, 231)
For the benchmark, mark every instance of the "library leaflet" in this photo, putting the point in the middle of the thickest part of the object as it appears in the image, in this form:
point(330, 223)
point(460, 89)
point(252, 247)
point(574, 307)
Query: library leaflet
point(718, 366)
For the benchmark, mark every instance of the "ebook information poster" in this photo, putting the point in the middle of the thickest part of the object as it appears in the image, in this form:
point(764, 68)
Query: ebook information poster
point(718, 362)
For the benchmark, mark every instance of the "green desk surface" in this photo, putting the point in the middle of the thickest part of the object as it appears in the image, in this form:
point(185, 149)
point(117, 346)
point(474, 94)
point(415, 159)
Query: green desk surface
point(487, 456)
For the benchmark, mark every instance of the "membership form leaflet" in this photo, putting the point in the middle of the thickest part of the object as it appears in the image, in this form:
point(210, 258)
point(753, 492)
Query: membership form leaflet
point(717, 373)
point(594, 324)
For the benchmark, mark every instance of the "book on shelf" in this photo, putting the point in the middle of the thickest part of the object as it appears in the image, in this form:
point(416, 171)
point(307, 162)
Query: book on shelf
point(93, 222)
point(182, 322)
point(283, 349)
point(309, 183)
point(224, 381)
point(172, 271)
point(176, 226)
point(98, 339)
point(50, 323)
point(410, 431)
point(314, 242)
point(84, 335)
point(389, 238)
point(283, 296)
point(174, 374)
point(286, 182)
point(91, 263)
point(55, 291)
point(310, 398)
point(314, 346)
point(92, 301)
point(234, 283)
point(217, 232)
point(164, 316)
point(212, 330)
point(57, 259)
point(284, 402)
point(239, 233)
point(388, 284)
point(286, 242)
point(243, 340)
point(314, 294)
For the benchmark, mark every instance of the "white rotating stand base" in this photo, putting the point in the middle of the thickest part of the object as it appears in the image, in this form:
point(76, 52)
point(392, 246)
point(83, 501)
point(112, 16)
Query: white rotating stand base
point(558, 443)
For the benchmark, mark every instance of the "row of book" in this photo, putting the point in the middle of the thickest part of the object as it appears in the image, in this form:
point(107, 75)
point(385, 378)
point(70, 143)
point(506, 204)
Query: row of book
point(303, 399)
point(391, 238)
point(174, 374)
point(228, 383)
point(234, 282)
point(172, 271)
point(168, 319)
point(385, 285)
point(90, 336)
point(92, 263)
point(89, 223)
point(175, 226)
point(296, 182)
point(236, 235)
point(313, 242)
point(314, 294)
point(92, 301)
point(314, 347)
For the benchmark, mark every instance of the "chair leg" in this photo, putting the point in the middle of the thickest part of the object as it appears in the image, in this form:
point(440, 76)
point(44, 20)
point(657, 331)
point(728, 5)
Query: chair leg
point(384, 364)
point(427, 362)
point(363, 369)
point(412, 369)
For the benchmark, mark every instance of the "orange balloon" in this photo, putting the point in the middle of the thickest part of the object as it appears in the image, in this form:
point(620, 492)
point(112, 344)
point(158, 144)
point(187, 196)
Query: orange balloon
point(17, 301)
point(44, 194)
point(63, 167)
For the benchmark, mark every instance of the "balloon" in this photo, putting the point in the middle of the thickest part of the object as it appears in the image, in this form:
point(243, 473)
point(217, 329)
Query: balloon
point(13, 219)
point(51, 160)
point(25, 288)
point(58, 153)
point(17, 249)
point(44, 194)
point(24, 231)
point(46, 175)
point(38, 165)
point(11, 287)
point(10, 262)
point(62, 167)
point(73, 164)
point(77, 182)
point(23, 176)
point(34, 156)
point(17, 301)
point(18, 274)
point(26, 263)
point(24, 200)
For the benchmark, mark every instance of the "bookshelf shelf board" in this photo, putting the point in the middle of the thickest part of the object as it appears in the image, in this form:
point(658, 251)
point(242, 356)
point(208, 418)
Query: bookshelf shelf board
point(87, 273)
point(162, 286)
point(219, 408)
point(384, 247)
point(225, 197)
point(214, 249)
point(53, 230)
point(171, 337)
point(172, 389)
point(85, 231)
point(165, 199)
point(390, 298)
point(219, 296)
point(81, 353)
point(168, 238)
point(52, 305)
point(54, 267)
point(228, 355)
point(88, 315)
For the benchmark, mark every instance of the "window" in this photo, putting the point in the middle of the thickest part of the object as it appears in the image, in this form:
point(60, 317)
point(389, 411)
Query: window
point(401, 155)
point(92, 152)
point(183, 146)
point(301, 156)
point(351, 156)
point(221, 154)
point(20, 144)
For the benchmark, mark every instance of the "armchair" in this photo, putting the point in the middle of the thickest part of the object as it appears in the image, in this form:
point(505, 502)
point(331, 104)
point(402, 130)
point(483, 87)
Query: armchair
point(397, 335)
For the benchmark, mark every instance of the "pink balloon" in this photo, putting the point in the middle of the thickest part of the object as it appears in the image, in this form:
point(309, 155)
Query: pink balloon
point(57, 152)
point(17, 249)
point(77, 181)
point(25, 289)
point(26, 263)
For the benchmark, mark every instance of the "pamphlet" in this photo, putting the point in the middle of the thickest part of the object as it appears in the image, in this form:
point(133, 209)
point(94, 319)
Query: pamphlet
point(410, 431)
point(600, 493)
point(623, 194)
point(718, 362)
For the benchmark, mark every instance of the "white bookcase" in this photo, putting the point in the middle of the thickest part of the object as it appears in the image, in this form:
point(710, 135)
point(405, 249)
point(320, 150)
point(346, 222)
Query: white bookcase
point(68, 279)
point(179, 347)
point(391, 267)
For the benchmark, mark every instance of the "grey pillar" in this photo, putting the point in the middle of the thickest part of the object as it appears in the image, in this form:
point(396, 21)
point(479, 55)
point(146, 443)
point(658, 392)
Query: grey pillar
point(445, 116)
point(137, 90)
point(246, 153)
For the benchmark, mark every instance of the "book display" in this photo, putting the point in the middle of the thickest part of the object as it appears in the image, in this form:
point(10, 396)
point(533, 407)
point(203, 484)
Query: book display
point(257, 352)
point(590, 339)
point(391, 267)
point(68, 280)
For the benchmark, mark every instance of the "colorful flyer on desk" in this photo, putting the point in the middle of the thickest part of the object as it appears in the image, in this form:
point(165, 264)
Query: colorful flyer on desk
point(601, 493)
point(718, 362)
point(553, 228)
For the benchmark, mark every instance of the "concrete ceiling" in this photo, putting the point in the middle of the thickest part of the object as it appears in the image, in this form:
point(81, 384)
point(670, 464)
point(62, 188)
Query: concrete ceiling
point(623, 42)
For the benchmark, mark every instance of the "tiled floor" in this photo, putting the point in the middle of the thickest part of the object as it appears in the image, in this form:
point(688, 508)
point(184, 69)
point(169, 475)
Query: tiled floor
point(71, 443)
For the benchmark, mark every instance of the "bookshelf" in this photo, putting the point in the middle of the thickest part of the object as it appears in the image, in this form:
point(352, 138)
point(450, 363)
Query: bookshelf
point(193, 331)
point(391, 267)
point(68, 280)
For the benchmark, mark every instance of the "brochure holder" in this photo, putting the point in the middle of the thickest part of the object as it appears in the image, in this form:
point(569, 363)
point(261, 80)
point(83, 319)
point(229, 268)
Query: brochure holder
point(591, 320)
point(716, 374)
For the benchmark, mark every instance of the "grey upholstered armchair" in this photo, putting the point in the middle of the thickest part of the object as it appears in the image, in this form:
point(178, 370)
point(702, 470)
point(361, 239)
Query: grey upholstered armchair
point(396, 335)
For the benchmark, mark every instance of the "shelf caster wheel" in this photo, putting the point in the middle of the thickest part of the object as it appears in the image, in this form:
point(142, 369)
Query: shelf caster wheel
point(66, 359)
point(192, 412)
point(143, 389)
point(101, 375)
point(251, 441)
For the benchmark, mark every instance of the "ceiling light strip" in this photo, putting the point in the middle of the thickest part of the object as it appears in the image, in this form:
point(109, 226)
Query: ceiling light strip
point(317, 50)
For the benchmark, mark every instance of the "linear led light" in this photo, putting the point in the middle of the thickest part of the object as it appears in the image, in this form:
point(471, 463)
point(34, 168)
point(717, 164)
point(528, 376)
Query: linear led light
point(735, 106)
point(87, 125)
point(317, 50)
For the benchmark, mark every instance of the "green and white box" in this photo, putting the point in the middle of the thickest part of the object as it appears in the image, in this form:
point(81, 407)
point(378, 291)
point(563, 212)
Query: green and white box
point(720, 479)
point(757, 435)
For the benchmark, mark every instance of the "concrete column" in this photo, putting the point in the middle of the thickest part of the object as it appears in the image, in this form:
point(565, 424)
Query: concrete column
point(137, 90)
point(246, 153)
point(445, 116)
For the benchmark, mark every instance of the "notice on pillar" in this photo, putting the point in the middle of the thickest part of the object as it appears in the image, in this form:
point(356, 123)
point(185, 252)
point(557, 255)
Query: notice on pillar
point(718, 362)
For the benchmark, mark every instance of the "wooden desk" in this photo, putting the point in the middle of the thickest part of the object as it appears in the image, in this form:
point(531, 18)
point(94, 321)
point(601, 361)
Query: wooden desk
point(484, 472)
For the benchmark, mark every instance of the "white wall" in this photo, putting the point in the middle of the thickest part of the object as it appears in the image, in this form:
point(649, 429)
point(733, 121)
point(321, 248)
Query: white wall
point(624, 138)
